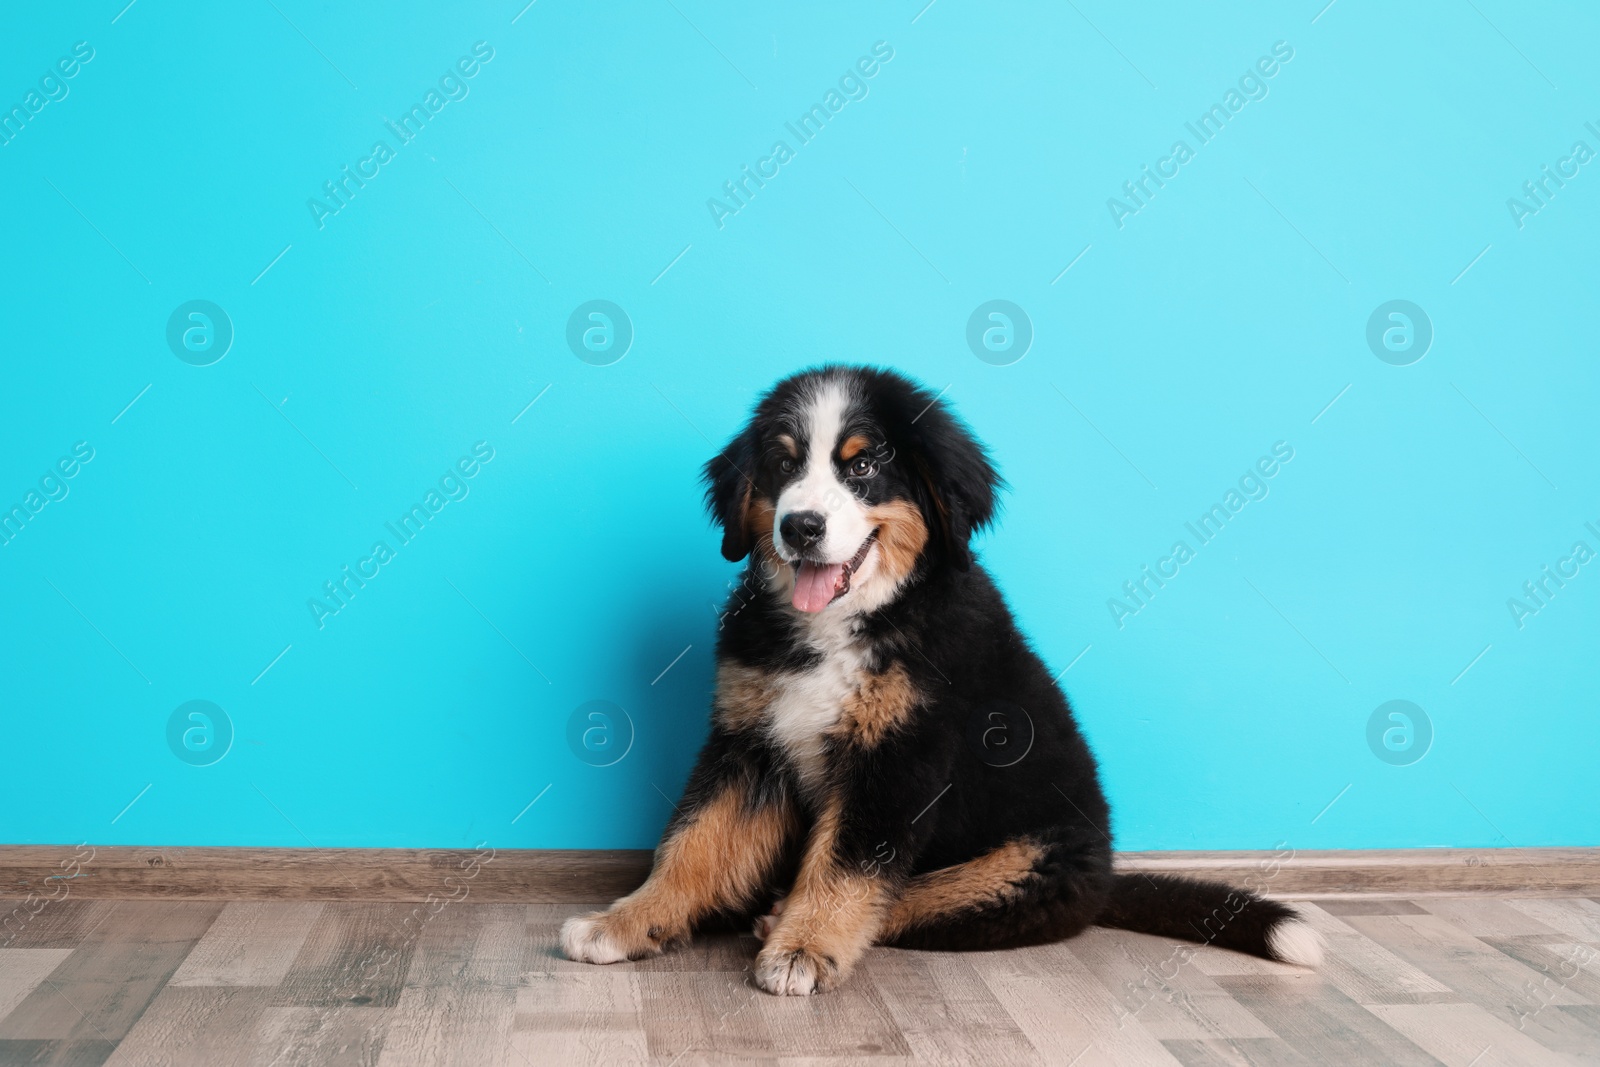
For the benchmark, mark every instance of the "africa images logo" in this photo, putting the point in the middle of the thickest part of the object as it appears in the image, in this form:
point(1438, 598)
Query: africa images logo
point(852, 85)
point(1252, 486)
point(1538, 192)
point(1252, 85)
point(53, 88)
point(337, 593)
point(452, 86)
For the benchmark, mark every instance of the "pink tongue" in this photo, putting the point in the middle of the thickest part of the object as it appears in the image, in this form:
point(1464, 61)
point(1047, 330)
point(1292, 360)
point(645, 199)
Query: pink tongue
point(814, 584)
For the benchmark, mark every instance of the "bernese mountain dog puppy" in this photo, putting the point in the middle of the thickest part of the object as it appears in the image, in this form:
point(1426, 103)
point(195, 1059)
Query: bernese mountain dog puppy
point(889, 762)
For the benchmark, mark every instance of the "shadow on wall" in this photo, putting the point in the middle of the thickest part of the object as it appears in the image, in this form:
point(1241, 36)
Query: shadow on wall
point(657, 713)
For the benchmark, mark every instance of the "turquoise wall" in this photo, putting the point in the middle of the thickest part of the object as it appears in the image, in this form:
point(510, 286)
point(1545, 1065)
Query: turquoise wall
point(528, 662)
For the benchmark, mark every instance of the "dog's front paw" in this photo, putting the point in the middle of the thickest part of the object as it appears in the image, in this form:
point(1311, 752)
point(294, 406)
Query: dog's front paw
point(603, 937)
point(795, 972)
point(590, 939)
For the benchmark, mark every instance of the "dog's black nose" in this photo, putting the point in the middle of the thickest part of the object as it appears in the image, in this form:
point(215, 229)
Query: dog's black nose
point(802, 529)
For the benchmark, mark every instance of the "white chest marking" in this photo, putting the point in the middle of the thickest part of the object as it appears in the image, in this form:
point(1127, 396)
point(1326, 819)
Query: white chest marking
point(810, 702)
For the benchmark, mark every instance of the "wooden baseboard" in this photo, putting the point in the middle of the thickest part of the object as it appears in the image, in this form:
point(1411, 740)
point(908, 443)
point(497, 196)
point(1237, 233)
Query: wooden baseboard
point(1387, 872)
point(579, 877)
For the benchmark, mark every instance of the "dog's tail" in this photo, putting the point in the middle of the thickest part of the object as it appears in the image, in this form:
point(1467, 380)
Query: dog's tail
point(1211, 913)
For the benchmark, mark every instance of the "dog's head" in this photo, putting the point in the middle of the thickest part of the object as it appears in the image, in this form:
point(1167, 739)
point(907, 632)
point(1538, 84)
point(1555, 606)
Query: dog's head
point(845, 482)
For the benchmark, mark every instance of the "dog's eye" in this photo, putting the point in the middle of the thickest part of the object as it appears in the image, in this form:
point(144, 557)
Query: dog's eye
point(862, 467)
point(787, 465)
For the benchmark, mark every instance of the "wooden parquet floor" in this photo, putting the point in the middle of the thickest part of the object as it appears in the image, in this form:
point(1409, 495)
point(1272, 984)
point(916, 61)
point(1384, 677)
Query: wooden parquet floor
point(1481, 981)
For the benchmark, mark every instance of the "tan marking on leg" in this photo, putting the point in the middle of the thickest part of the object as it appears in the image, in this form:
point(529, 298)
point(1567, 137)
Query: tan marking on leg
point(902, 535)
point(882, 702)
point(717, 858)
point(743, 695)
point(830, 917)
point(993, 877)
point(853, 447)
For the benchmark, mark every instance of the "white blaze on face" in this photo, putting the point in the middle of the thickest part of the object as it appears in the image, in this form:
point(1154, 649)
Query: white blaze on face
point(819, 488)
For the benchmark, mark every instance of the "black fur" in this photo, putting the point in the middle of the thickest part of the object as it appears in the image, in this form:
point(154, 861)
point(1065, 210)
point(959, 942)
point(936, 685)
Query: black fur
point(929, 796)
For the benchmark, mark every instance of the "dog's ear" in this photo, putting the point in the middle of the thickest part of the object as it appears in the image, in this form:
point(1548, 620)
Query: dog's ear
point(729, 478)
point(957, 476)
